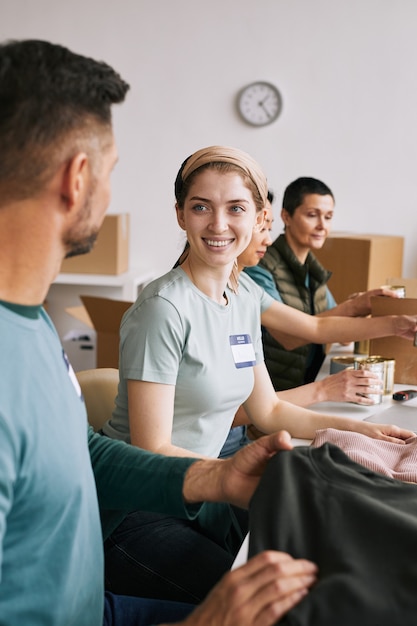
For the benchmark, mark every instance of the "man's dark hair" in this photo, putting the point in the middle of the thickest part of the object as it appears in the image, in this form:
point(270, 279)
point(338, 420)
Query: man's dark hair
point(48, 93)
point(298, 189)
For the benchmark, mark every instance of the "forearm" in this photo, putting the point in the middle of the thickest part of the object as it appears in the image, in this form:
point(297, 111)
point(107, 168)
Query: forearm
point(329, 328)
point(346, 386)
point(169, 449)
point(301, 422)
point(305, 395)
point(302, 396)
point(203, 481)
point(352, 307)
point(290, 342)
point(359, 304)
point(347, 308)
point(346, 329)
point(128, 478)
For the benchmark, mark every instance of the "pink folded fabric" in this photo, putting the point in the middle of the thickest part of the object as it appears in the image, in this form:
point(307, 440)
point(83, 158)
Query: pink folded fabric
point(397, 460)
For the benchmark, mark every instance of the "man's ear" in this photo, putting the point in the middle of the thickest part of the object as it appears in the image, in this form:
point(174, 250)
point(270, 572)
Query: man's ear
point(75, 179)
point(180, 217)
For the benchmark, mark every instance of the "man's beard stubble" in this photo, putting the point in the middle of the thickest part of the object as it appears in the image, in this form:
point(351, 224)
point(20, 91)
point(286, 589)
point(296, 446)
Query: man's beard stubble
point(78, 240)
point(82, 246)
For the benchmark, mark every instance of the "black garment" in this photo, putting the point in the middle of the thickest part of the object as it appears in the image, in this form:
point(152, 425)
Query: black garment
point(290, 368)
point(358, 526)
point(157, 556)
point(162, 557)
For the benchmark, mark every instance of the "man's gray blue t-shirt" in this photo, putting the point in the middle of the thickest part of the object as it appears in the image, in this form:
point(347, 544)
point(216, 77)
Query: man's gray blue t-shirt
point(51, 555)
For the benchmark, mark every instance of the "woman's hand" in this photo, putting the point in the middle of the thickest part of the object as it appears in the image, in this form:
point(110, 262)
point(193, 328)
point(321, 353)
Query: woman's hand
point(405, 326)
point(359, 304)
point(386, 432)
point(349, 385)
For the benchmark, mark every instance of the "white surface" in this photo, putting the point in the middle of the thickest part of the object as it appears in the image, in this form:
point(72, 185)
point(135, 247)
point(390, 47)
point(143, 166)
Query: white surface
point(344, 409)
point(345, 80)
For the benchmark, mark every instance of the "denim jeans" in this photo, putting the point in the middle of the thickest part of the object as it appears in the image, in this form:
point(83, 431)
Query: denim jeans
point(236, 439)
point(157, 556)
point(126, 611)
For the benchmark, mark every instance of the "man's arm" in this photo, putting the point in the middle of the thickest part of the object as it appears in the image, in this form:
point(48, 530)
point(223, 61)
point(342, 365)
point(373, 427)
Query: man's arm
point(129, 478)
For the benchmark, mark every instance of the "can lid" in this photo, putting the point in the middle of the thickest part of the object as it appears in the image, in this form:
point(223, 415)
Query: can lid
point(343, 359)
point(374, 359)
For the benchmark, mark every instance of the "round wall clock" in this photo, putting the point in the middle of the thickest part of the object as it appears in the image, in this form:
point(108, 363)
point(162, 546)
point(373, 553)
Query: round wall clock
point(259, 103)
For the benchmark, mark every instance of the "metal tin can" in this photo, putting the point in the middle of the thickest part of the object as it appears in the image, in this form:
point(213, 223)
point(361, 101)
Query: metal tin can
point(374, 364)
point(361, 347)
point(339, 363)
point(389, 373)
point(399, 289)
point(389, 376)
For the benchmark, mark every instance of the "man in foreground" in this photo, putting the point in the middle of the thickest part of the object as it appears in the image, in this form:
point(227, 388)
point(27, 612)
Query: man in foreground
point(57, 154)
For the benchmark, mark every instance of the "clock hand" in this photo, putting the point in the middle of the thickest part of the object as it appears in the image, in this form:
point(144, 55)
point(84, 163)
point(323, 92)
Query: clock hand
point(261, 104)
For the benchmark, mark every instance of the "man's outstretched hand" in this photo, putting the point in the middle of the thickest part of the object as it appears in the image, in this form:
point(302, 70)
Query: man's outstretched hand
point(233, 480)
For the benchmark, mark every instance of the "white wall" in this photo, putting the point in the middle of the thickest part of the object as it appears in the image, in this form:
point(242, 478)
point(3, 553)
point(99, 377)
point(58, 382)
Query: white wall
point(347, 70)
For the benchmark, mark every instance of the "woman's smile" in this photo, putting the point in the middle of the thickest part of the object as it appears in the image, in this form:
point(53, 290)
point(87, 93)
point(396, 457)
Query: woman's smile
point(218, 243)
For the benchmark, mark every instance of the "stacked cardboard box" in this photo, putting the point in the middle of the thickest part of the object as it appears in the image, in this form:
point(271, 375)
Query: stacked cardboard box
point(110, 254)
point(360, 262)
point(402, 350)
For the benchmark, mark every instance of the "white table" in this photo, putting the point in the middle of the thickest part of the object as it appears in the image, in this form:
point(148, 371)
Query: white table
point(347, 409)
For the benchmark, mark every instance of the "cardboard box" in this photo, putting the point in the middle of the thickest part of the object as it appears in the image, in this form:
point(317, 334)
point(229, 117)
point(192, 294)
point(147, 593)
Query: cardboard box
point(360, 262)
point(402, 350)
point(110, 254)
point(104, 315)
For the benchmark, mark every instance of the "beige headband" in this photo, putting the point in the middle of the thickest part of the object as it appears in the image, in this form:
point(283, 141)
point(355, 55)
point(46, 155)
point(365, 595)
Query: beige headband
point(225, 154)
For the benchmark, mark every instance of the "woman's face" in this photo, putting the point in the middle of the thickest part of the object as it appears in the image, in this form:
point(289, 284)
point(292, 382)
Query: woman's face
point(309, 226)
point(261, 239)
point(219, 215)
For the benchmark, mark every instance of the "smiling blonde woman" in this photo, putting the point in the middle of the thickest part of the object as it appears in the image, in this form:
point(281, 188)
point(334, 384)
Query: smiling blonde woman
point(191, 349)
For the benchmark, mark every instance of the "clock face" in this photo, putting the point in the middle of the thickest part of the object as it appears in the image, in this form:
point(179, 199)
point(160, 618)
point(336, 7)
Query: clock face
point(260, 103)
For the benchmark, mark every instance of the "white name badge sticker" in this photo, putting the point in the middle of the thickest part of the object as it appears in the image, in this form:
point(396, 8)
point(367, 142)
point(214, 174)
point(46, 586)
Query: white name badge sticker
point(72, 375)
point(242, 350)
